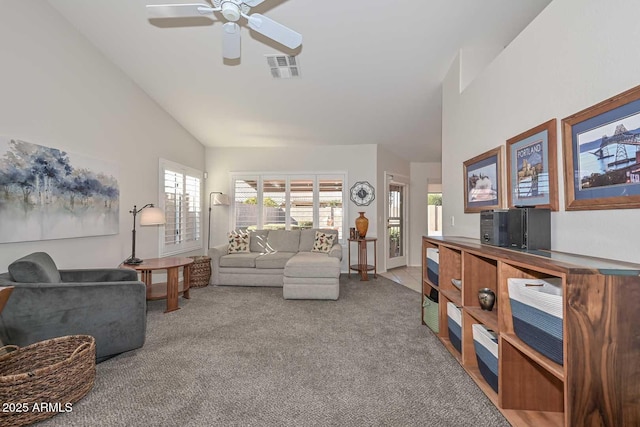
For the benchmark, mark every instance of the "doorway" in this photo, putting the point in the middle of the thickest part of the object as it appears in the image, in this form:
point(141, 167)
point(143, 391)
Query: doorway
point(396, 225)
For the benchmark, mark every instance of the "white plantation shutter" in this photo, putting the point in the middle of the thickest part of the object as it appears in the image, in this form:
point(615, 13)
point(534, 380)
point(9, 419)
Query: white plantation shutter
point(172, 206)
point(192, 204)
point(182, 202)
point(330, 212)
point(302, 202)
point(245, 203)
point(274, 203)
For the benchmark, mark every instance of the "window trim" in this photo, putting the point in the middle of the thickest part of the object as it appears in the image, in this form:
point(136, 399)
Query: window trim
point(195, 245)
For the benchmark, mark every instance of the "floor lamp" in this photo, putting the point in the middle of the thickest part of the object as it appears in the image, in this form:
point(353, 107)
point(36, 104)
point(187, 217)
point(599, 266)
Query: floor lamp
point(150, 216)
point(219, 199)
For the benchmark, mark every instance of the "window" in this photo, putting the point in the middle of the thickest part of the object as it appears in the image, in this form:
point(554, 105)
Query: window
point(434, 209)
point(288, 202)
point(181, 201)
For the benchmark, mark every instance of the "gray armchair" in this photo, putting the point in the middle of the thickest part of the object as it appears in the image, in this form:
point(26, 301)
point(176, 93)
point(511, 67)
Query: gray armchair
point(108, 304)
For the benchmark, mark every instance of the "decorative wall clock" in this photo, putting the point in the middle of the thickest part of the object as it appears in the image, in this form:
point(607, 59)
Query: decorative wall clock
point(362, 193)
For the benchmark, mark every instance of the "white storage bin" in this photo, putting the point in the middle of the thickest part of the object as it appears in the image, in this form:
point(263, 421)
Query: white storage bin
point(433, 265)
point(454, 324)
point(485, 343)
point(536, 307)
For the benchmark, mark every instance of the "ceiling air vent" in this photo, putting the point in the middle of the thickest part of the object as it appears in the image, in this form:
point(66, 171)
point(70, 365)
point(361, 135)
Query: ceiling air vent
point(283, 66)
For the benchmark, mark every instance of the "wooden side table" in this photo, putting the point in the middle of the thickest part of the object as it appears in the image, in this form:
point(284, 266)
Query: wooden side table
point(363, 266)
point(173, 287)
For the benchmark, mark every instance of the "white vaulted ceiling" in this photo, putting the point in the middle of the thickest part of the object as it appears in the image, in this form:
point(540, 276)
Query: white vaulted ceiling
point(371, 70)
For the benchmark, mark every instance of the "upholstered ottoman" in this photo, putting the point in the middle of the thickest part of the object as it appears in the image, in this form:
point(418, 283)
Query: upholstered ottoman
point(311, 275)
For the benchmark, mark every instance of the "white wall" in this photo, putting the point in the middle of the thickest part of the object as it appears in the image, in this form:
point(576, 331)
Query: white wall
point(576, 53)
point(57, 90)
point(422, 174)
point(358, 162)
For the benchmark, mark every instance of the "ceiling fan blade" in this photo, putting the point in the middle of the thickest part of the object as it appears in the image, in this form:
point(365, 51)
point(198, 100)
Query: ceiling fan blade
point(179, 10)
point(252, 3)
point(231, 40)
point(274, 30)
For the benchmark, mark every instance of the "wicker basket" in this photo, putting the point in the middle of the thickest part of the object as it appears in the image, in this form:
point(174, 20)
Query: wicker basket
point(430, 314)
point(200, 271)
point(45, 378)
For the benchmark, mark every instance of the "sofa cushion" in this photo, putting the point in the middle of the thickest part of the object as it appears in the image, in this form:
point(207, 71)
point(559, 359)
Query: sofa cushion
point(258, 241)
point(323, 242)
point(238, 242)
point(308, 236)
point(247, 260)
point(283, 240)
point(312, 264)
point(37, 267)
point(274, 260)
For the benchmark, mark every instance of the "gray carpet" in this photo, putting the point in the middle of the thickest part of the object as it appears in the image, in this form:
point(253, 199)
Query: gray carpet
point(244, 356)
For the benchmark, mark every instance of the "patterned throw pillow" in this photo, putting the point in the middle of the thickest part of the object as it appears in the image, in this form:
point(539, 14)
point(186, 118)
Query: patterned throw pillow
point(323, 242)
point(238, 242)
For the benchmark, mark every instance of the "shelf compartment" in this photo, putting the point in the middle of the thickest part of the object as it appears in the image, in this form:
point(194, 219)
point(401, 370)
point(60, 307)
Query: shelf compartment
point(555, 369)
point(450, 268)
point(505, 272)
point(479, 272)
point(524, 384)
point(469, 357)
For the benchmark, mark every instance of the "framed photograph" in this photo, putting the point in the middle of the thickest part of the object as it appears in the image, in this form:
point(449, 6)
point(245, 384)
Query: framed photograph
point(532, 177)
point(602, 154)
point(482, 181)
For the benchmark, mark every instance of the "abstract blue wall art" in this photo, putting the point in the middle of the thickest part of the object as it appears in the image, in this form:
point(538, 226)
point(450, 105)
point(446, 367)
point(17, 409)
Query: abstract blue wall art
point(46, 193)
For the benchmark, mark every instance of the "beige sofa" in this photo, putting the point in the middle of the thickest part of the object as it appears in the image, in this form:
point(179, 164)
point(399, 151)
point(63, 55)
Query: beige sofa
point(281, 258)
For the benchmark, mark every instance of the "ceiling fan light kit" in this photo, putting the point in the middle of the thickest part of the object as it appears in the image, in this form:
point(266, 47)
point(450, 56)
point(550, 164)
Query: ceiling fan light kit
point(231, 40)
point(231, 11)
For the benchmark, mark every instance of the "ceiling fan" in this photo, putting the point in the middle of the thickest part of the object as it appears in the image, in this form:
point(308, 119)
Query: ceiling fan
point(231, 10)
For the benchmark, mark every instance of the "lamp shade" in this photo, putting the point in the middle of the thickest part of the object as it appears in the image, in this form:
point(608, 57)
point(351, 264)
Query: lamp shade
point(152, 216)
point(220, 199)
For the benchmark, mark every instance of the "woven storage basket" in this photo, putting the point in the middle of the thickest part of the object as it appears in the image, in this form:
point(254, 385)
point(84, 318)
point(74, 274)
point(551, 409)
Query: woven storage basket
point(433, 265)
point(454, 324)
point(536, 308)
point(430, 314)
point(44, 378)
point(200, 271)
point(485, 344)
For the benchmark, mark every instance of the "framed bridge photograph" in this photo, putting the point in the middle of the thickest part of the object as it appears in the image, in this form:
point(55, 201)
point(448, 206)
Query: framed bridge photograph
point(532, 177)
point(602, 154)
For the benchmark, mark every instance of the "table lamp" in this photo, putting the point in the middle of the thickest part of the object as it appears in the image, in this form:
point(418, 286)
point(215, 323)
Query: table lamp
point(150, 216)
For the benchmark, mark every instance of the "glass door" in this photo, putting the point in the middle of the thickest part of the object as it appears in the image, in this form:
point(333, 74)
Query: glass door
point(395, 226)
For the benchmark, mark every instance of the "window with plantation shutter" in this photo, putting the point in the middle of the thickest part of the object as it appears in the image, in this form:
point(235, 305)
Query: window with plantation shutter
point(182, 204)
point(288, 201)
